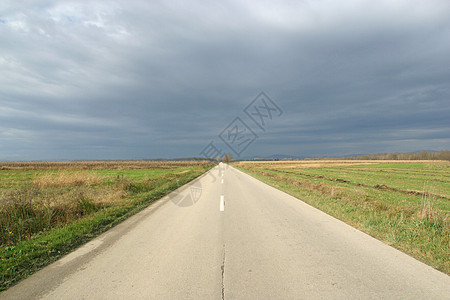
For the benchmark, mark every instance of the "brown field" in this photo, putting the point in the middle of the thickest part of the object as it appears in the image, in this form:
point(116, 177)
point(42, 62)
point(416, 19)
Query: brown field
point(294, 164)
point(100, 165)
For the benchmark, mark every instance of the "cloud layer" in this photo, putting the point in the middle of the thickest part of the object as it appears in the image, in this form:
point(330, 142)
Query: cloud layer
point(147, 79)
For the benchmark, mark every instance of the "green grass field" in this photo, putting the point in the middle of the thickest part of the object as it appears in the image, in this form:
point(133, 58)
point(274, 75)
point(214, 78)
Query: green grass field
point(404, 204)
point(46, 213)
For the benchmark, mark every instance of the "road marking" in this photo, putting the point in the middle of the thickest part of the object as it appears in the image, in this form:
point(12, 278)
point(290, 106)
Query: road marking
point(222, 203)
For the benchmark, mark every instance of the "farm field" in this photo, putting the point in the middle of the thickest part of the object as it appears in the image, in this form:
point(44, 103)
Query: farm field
point(49, 208)
point(406, 204)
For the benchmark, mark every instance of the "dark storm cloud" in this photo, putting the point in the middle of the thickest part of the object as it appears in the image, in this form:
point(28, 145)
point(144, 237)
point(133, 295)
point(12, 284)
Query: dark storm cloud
point(141, 79)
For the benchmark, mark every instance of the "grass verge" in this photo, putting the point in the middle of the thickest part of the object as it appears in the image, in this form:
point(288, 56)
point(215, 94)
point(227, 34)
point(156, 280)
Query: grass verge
point(405, 205)
point(24, 256)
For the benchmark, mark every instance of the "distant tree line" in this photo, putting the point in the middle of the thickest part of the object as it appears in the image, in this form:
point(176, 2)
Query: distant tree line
point(227, 158)
point(423, 155)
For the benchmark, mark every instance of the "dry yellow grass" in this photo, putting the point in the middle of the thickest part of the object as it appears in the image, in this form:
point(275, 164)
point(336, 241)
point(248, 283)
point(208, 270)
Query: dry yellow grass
point(303, 164)
point(82, 181)
point(68, 179)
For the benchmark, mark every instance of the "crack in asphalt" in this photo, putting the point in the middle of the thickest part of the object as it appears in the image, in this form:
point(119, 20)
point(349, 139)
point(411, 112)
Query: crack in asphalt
point(223, 272)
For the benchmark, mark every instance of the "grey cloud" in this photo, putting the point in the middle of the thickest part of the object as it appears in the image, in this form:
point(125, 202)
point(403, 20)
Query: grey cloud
point(136, 79)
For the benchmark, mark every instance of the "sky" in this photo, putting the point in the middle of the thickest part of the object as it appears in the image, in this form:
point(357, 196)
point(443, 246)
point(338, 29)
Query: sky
point(167, 79)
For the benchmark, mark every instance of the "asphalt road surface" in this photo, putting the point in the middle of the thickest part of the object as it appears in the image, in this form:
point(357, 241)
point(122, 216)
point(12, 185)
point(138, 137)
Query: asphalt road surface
point(230, 236)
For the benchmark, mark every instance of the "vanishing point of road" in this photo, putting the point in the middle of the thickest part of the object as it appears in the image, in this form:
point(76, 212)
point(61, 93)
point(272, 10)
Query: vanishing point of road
point(227, 235)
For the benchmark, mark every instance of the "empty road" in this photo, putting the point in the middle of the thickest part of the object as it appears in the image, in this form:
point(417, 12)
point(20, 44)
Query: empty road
point(229, 236)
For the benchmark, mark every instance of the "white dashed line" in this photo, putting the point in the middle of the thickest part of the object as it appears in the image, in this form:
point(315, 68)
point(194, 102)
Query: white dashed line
point(222, 203)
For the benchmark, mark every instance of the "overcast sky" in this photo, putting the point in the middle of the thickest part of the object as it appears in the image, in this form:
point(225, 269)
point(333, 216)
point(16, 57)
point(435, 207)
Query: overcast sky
point(150, 79)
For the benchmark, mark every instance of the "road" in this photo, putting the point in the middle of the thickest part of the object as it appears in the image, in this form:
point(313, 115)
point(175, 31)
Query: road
point(230, 236)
